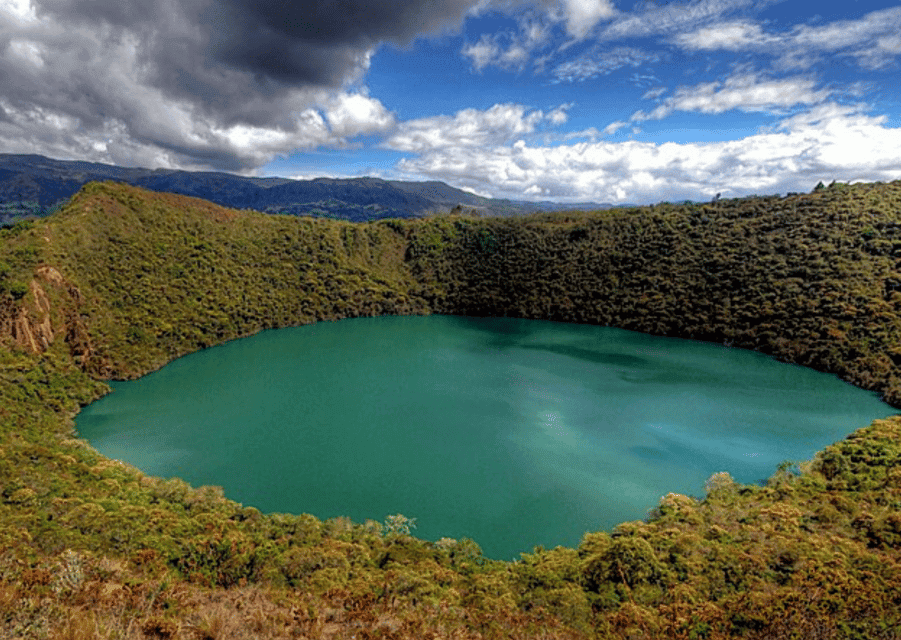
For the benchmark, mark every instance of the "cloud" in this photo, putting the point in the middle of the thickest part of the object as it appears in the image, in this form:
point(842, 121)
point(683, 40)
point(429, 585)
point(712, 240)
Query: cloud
point(510, 50)
point(591, 133)
point(350, 115)
point(19, 9)
point(483, 53)
point(491, 50)
point(843, 34)
point(311, 42)
point(471, 128)
point(613, 127)
point(535, 31)
point(559, 116)
point(693, 25)
point(673, 17)
point(889, 44)
point(70, 96)
point(581, 16)
point(653, 94)
point(597, 61)
point(197, 83)
point(726, 36)
point(746, 92)
point(829, 141)
point(872, 39)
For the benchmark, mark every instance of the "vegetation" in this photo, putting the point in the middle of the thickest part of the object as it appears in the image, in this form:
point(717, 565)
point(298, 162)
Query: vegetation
point(13, 212)
point(121, 281)
point(34, 186)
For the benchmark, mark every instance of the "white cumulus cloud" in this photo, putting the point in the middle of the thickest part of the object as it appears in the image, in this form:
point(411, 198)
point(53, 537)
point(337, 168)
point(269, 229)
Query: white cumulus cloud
point(581, 16)
point(470, 128)
point(483, 53)
point(828, 141)
point(353, 114)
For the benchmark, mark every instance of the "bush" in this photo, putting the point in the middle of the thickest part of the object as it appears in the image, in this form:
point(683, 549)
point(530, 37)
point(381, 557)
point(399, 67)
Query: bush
point(17, 290)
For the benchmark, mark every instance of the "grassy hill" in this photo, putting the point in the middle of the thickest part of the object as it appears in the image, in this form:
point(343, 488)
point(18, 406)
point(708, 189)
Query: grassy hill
point(122, 280)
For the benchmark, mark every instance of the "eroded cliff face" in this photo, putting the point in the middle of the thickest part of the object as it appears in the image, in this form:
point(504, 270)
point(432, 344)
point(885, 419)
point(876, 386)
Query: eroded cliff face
point(48, 313)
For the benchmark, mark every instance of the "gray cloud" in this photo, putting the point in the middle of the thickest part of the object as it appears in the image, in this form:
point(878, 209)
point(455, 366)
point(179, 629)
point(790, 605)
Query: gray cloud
point(198, 83)
point(320, 43)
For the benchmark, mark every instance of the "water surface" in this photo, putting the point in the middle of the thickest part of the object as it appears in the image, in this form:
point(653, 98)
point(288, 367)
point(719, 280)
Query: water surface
point(511, 432)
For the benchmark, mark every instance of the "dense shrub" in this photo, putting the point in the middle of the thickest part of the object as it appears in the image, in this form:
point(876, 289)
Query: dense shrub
point(133, 279)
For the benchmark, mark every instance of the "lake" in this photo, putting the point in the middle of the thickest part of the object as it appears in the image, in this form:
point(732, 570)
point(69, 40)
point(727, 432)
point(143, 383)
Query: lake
point(511, 432)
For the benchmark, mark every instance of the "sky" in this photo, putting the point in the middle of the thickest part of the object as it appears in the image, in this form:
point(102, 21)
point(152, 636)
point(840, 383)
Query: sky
point(609, 101)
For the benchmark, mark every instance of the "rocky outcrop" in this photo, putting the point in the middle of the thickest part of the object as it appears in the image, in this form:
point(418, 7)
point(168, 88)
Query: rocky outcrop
point(52, 310)
point(21, 327)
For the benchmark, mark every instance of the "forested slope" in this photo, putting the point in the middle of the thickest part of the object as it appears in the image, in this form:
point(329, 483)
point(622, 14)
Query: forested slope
point(813, 279)
point(123, 280)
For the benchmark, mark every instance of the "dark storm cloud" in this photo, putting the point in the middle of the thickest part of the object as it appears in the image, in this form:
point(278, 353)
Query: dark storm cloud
point(292, 43)
point(197, 83)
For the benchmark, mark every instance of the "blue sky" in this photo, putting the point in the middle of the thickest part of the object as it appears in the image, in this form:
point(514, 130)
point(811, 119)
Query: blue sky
point(581, 100)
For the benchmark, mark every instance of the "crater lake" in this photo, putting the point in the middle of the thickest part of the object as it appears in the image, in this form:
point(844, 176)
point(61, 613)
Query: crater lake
point(513, 433)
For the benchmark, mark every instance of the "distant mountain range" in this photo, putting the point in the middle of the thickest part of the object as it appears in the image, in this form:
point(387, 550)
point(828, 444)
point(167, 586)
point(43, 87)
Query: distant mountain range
point(33, 186)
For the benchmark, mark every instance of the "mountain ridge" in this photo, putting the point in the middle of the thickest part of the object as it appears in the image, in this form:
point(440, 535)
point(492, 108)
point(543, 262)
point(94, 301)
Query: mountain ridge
point(34, 185)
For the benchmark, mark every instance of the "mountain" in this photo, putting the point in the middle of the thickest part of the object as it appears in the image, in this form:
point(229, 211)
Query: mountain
point(33, 186)
point(122, 280)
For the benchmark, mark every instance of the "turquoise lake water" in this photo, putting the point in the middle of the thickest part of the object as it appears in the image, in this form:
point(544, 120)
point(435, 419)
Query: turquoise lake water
point(514, 433)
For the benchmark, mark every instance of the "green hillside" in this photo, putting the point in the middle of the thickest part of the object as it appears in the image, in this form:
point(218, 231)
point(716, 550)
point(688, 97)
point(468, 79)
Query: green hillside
point(122, 280)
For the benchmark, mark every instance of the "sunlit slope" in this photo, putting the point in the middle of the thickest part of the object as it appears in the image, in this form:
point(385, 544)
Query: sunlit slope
point(123, 280)
point(162, 275)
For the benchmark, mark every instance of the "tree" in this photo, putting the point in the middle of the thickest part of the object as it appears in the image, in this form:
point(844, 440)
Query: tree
point(399, 525)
